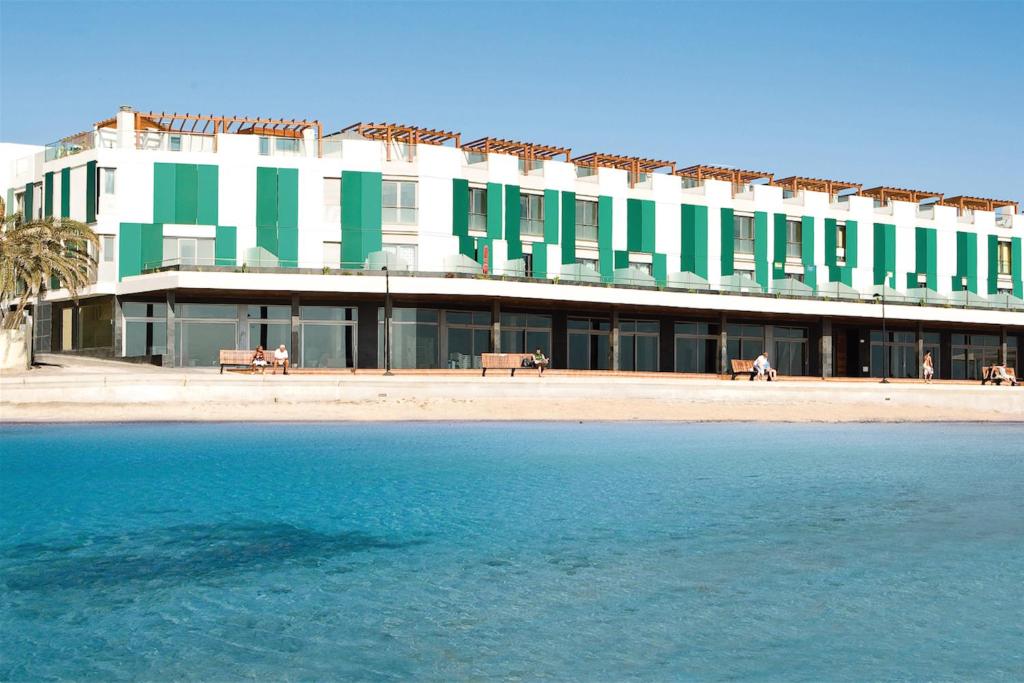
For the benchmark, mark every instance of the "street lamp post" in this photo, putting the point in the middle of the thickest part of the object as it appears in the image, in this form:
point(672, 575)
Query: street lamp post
point(387, 323)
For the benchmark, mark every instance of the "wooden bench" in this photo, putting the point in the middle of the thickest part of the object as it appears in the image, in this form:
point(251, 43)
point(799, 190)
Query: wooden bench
point(242, 358)
point(988, 374)
point(742, 367)
point(506, 361)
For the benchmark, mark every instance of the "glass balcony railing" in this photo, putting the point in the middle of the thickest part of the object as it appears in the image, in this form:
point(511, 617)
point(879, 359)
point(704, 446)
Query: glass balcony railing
point(70, 145)
point(531, 226)
point(586, 233)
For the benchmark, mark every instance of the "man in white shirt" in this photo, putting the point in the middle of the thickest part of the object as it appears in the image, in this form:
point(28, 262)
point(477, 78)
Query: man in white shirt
point(760, 363)
point(280, 359)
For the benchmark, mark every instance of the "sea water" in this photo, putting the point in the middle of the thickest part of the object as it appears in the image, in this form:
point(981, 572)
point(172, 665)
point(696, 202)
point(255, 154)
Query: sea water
point(596, 552)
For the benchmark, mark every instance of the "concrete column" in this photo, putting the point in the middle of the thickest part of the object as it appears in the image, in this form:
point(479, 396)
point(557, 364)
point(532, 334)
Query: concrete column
point(826, 348)
point(613, 341)
point(723, 351)
point(118, 327)
point(293, 352)
point(1003, 357)
point(170, 358)
point(496, 327)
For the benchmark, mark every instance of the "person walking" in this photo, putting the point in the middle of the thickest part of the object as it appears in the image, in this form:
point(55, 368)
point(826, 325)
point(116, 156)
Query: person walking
point(928, 367)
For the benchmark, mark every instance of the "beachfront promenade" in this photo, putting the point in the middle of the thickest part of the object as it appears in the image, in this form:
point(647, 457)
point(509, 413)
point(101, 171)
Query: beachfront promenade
point(108, 391)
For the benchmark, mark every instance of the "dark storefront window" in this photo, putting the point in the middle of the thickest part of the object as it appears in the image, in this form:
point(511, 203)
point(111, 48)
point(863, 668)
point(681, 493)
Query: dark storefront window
point(638, 342)
point(971, 352)
point(790, 350)
point(588, 343)
point(901, 350)
point(696, 346)
point(744, 342)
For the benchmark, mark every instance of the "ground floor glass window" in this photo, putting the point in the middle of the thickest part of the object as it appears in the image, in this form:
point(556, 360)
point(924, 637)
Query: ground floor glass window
point(901, 351)
point(638, 345)
point(327, 336)
point(202, 330)
point(588, 343)
point(523, 333)
point(145, 328)
point(971, 352)
point(414, 338)
point(744, 342)
point(790, 350)
point(696, 347)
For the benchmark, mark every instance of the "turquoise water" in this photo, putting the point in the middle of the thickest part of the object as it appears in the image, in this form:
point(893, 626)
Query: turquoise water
point(593, 552)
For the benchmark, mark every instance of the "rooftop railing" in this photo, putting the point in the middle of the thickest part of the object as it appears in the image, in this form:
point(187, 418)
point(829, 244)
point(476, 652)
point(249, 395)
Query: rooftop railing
point(73, 144)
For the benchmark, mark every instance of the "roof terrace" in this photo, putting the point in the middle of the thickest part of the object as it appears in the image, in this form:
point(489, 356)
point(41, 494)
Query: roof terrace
point(635, 166)
point(831, 187)
point(885, 194)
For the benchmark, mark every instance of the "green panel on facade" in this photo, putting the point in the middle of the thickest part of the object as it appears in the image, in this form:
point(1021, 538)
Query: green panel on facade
point(807, 251)
point(966, 262)
point(621, 259)
point(851, 245)
point(370, 212)
point(460, 207)
point(925, 258)
point(993, 264)
point(163, 193)
point(226, 245)
point(28, 200)
point(494, 211)
point(65, 193)
point(568, 228)
point(604, 238)
point(647, 221)
point(634, 225)
point(129, 250)
point(513, 238)
point(885, 254)
point(90, 192)
point(728, 242)
point(761, 248)
point(360, 216)
point(780, 246)
point(186, 195)
point(152, 248)
point(694, 239)
point(551, 216)
point(659, 268)
point(266, 198)
point(48, 194)
point(207, 193)
point(540, 260)
point(831, 227)
point(288, 247)
point(266, 237)
point(1017, 261)
point(288, 198)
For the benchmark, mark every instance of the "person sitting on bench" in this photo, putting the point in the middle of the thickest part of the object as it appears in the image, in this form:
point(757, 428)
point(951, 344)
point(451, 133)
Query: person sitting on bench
point(540, 361)
point(259, 361)
point(762, 368)
point(999, 374)
point(280, 359)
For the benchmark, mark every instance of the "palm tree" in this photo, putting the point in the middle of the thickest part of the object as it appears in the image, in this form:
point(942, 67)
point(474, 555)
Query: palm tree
point(35, 251)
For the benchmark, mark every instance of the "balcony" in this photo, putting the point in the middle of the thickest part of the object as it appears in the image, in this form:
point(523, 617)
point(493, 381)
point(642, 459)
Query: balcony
point(71, 145)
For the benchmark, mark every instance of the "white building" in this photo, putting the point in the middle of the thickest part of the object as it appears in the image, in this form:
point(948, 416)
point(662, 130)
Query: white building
point(226, 232)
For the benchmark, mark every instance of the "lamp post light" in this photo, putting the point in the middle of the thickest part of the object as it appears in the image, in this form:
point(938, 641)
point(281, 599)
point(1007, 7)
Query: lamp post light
point(387, 323)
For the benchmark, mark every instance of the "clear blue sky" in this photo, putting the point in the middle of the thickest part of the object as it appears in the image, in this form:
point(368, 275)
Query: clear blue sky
point(913, 94)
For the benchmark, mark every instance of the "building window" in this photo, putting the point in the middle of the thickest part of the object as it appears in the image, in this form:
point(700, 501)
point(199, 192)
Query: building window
point(477, 208)
point(841, 241)
point(794, 239)
point(404, 253)
point(588, 262)
point(525, 333)
point(202, 330)
point(638, 345)
point(107, 248)
point(642, 267)
point(287, 146)
point(327, 336)
point(332, 255)
point(399, 202)
point(972, 352)
point(332, 201)
point(145, 328)
point(19, 204)
point(743, 234)
point(1005, 259)
point(265, 146)
point(586, 220)
point(468, 335)
point(531, 214)
point(790, 350)
point(743, 342)
point(588, 344)
point(528, 264)
point(108, 181)
point(697, 347)
point(187, 251)
point(413, 338)
point(269, 326)
point(174, 143)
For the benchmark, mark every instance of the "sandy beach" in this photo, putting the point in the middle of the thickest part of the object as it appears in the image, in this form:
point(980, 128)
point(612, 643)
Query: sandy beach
point(103, 391)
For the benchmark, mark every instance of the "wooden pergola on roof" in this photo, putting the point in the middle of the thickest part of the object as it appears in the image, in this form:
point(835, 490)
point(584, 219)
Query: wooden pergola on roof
point(797, 183)
point(400, 132)
point(528, 151)
point(209, 124)
point(635, 165)
point(884, 194)
point(736, 176)
point(964, 203)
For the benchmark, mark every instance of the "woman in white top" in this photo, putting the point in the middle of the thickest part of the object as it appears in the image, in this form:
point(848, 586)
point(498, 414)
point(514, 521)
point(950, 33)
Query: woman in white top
point(928, 367)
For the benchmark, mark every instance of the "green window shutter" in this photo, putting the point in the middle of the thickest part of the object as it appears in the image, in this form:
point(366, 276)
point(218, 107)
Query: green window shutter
point(48, 195)
point(163, 193)
point(129, 250)
point(993, 264)
point(604, 238)
point(460, 207)
point(513, 238)
point(634, 225)
point(288, 217)
point(925, 261)
point(225, 248)
point(647, 226)
point(659, 268)
point(885, 254)
point(494, 211)
point(780, 246)
point(550, 217)
point(29, 202)
point(371, 212)
point(65, 193)
point(266, 209)
point(831, 227)
point(807, 251)
point(851, 245)
point(90, 192)
point(207, 194)
point(621, 259)
point(540, 259)
point(693, 257)
point(1017, 265)
point(360, 216)
point(186, 194)
point(568, 228)
point(152, 246)
point(966, 261)
point(761, 248)
point(288, 247)
point(728, 243)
